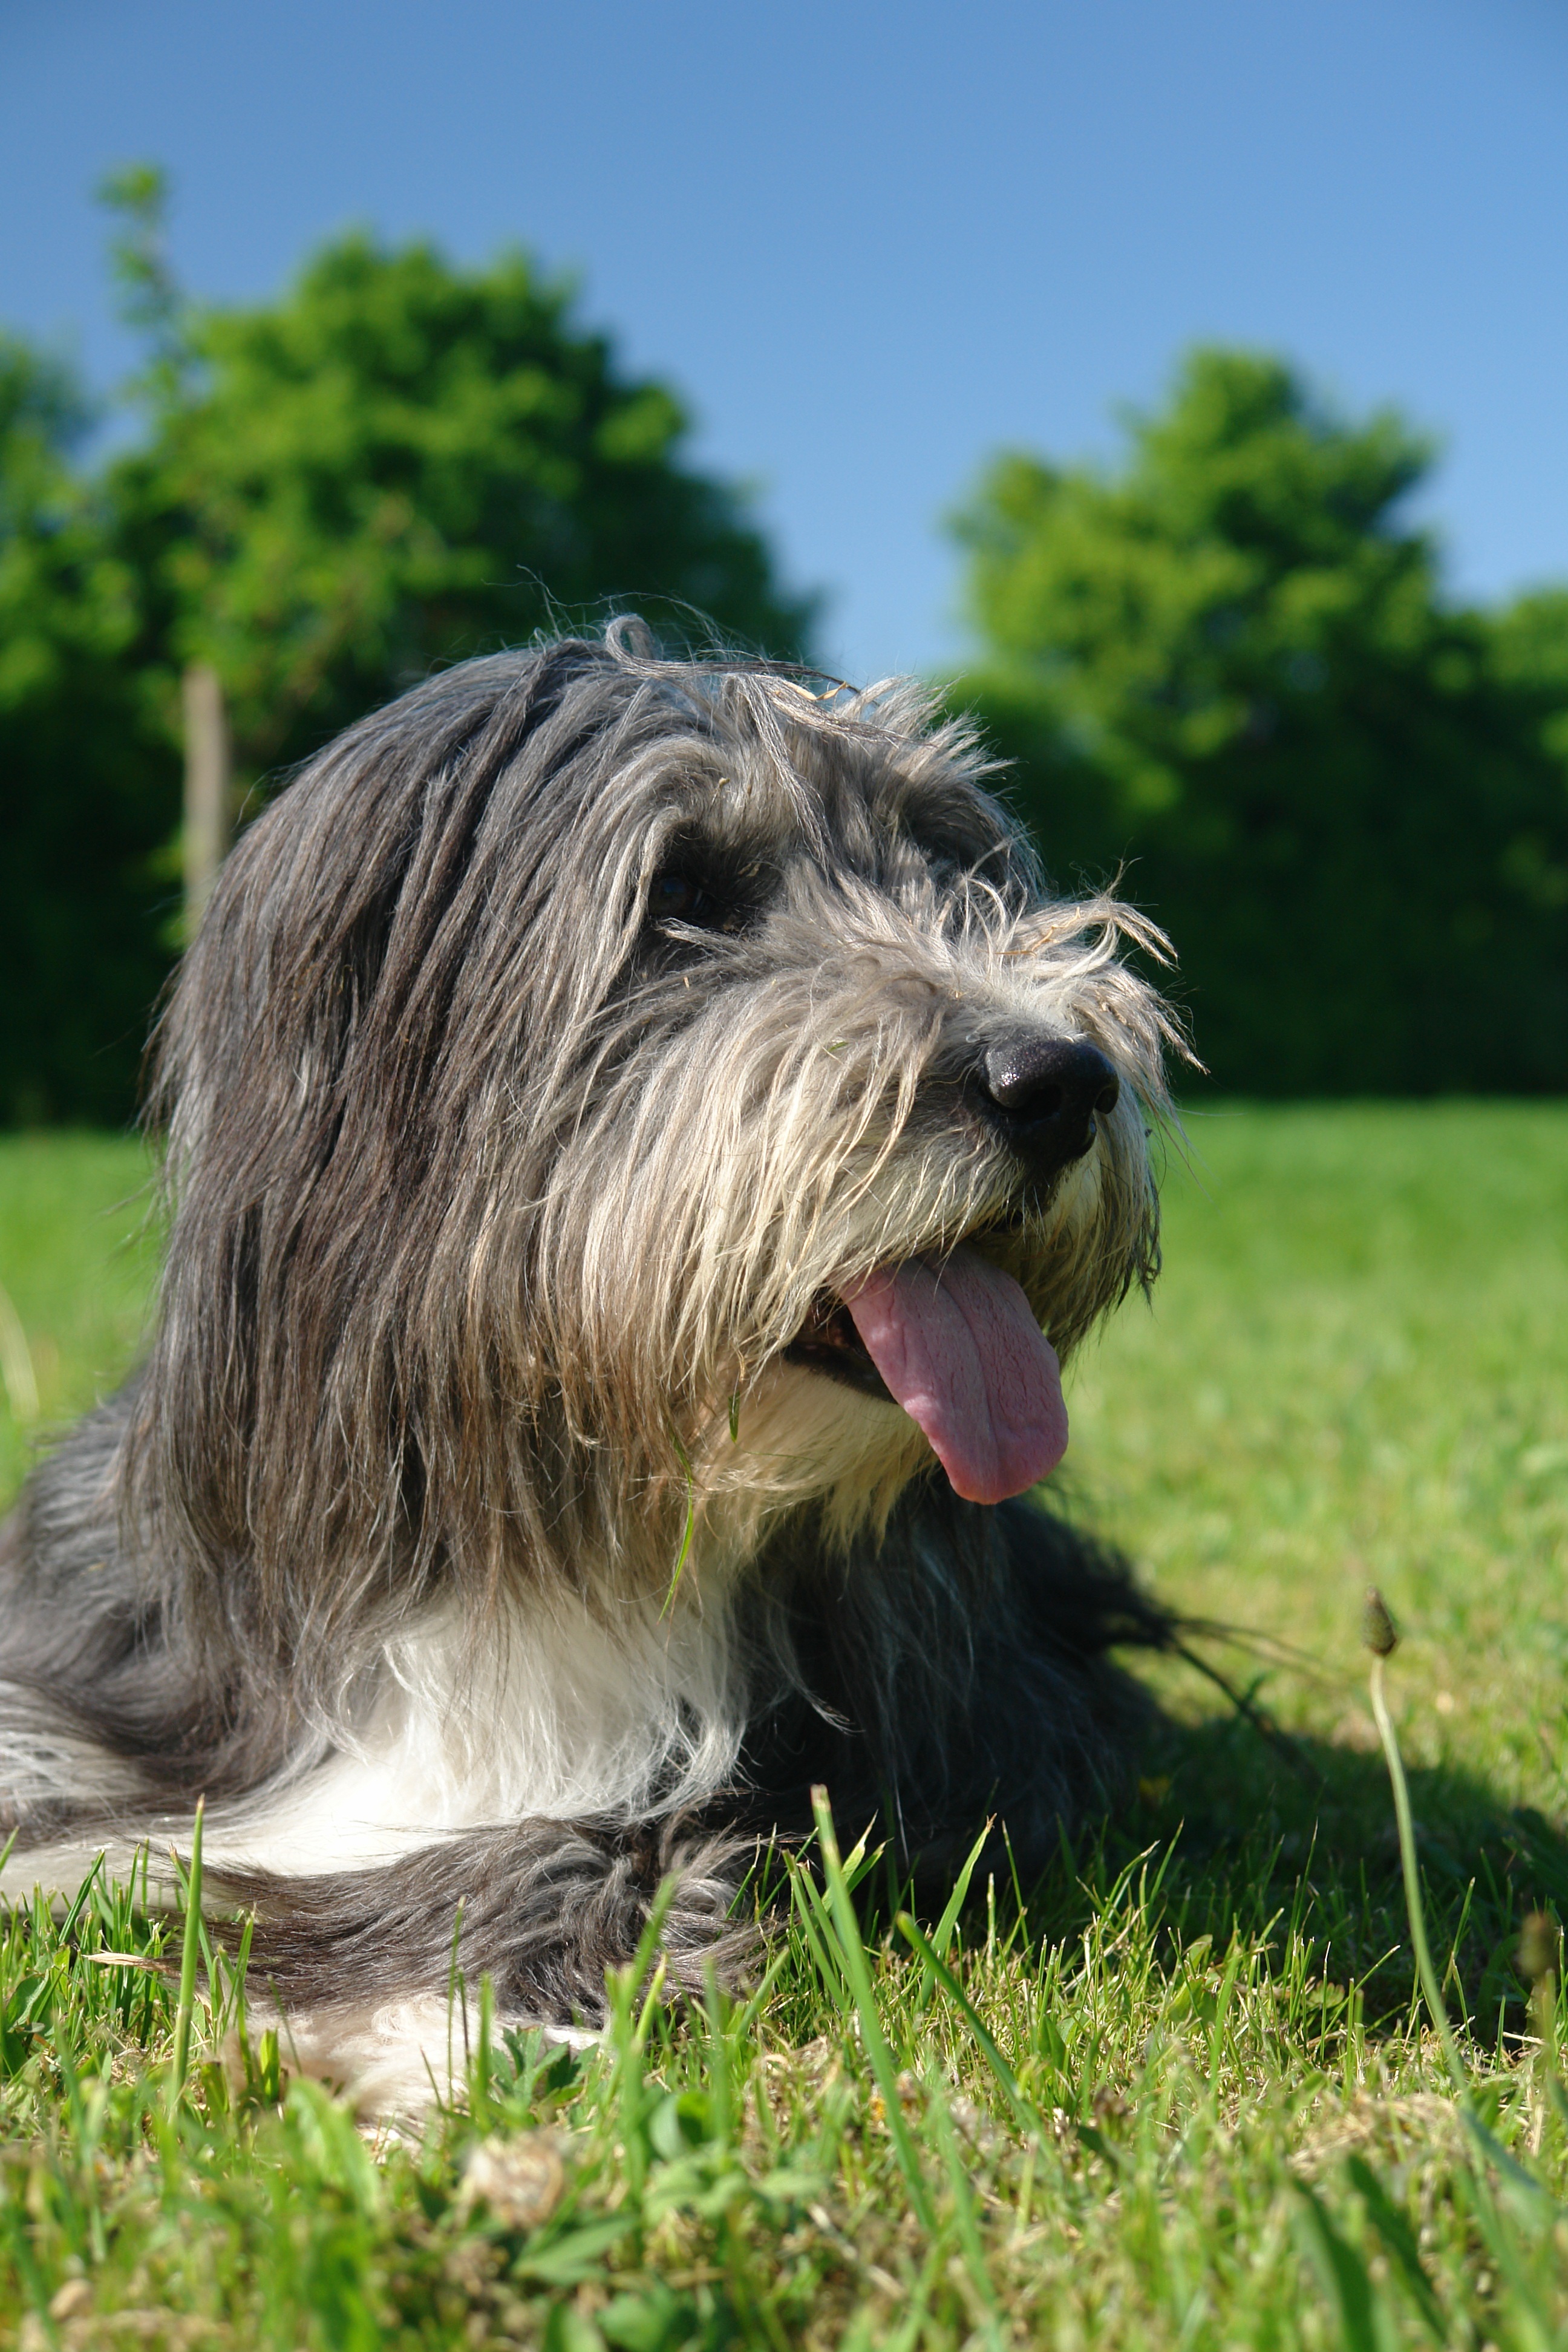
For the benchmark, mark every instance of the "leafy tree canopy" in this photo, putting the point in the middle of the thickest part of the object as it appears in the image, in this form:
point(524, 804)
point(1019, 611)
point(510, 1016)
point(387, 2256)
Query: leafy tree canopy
point(1229, 663)
point(60, 589)
point(398, 464)
point(401, 464)
point(85, 791)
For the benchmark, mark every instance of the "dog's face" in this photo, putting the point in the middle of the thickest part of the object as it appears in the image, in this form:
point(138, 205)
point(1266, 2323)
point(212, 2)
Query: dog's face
point(850, 1088)
point(619, 1095)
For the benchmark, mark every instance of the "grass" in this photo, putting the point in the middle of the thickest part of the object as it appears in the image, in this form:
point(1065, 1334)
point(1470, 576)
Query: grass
point(78, 1260)
point(1187, 2095)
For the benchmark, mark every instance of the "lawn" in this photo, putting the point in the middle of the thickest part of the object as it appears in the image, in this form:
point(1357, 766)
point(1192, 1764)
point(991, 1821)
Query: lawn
point(1186, 2093)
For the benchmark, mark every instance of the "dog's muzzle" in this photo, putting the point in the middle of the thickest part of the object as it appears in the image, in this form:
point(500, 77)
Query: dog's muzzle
point(1042, 1096)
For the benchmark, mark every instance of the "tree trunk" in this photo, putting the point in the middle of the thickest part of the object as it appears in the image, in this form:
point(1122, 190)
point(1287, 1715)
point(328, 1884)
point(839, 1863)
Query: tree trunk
point(207, 787)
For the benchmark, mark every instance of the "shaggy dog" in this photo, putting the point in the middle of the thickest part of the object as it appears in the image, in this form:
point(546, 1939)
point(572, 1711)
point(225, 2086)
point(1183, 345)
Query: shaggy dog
point(628, 1126)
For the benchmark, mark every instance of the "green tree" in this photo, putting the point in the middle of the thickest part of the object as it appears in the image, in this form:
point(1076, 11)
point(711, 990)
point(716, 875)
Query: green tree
point(398, 464)
point(401, 464)
point(89, 789)
point(1229, 666)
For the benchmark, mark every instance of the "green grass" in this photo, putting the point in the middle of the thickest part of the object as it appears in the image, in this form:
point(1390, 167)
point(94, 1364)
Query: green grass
point(79, 1259)
point(1185, 2096)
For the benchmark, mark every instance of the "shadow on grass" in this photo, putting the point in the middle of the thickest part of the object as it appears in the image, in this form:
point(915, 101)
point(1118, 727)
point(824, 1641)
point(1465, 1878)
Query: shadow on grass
point(1253, 1835)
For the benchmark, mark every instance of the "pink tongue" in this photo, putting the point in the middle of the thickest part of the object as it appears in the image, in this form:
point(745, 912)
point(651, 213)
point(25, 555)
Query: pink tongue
point(960, 1352)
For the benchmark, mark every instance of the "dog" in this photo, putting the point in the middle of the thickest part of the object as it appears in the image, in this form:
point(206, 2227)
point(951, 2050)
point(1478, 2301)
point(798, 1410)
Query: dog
point(640, 1139)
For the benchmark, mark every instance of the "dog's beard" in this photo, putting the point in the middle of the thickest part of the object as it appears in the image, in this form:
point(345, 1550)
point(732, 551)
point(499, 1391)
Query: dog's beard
point(975, 1395)
point(773, 1157)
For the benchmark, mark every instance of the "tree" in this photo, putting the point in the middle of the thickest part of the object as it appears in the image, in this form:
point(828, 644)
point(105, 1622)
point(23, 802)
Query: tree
point(402, 463)
point(1230, 665)
point(398, 464)
point(89, 789)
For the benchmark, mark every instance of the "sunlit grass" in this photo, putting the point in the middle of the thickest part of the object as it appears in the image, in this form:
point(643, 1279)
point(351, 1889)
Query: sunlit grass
point(1188, 2097)
point(77, 1259)
point(1356, 1371)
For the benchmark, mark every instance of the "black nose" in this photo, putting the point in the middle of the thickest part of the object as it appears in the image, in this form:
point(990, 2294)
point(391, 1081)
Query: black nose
point(1042, 1093)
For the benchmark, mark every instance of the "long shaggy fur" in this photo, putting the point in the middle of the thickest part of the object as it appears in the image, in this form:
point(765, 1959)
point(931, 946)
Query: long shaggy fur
point(469, 1535)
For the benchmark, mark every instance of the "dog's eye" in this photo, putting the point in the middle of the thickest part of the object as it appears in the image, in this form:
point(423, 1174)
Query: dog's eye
point(682, 898)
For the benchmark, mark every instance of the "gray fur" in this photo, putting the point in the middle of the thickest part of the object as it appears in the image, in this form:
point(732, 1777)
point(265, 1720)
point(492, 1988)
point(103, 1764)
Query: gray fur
point(495, 1201)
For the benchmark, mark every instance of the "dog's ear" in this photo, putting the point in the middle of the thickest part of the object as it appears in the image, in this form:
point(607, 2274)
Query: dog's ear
point(339, 1387)
point(346, 912)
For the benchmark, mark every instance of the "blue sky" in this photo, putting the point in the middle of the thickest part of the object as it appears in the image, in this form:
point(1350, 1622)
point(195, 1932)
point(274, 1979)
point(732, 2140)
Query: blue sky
point(871, 244)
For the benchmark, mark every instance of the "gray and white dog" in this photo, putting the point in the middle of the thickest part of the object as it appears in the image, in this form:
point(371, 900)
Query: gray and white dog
point(640, 1139)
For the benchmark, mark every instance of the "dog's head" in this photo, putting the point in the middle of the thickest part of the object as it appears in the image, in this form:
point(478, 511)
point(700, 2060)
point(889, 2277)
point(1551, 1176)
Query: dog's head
point(610, 1098)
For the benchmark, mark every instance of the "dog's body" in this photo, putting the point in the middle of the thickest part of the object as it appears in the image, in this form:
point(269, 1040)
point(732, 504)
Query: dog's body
point(622, 1117)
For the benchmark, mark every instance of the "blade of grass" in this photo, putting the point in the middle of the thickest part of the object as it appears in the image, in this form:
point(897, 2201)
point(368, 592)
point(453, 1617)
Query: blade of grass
point(1424, 1965)
point(815, 1925)
point(690, 1475)
point(1508, 2165)
point(1529, 2199)
point(189, 1947)
point(1400, 2243)
point(1023, 2116)
point(852, 1953)
point(745, 2018)
point(68, 1924)
point(942, 1934)
point(1365, 2324)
